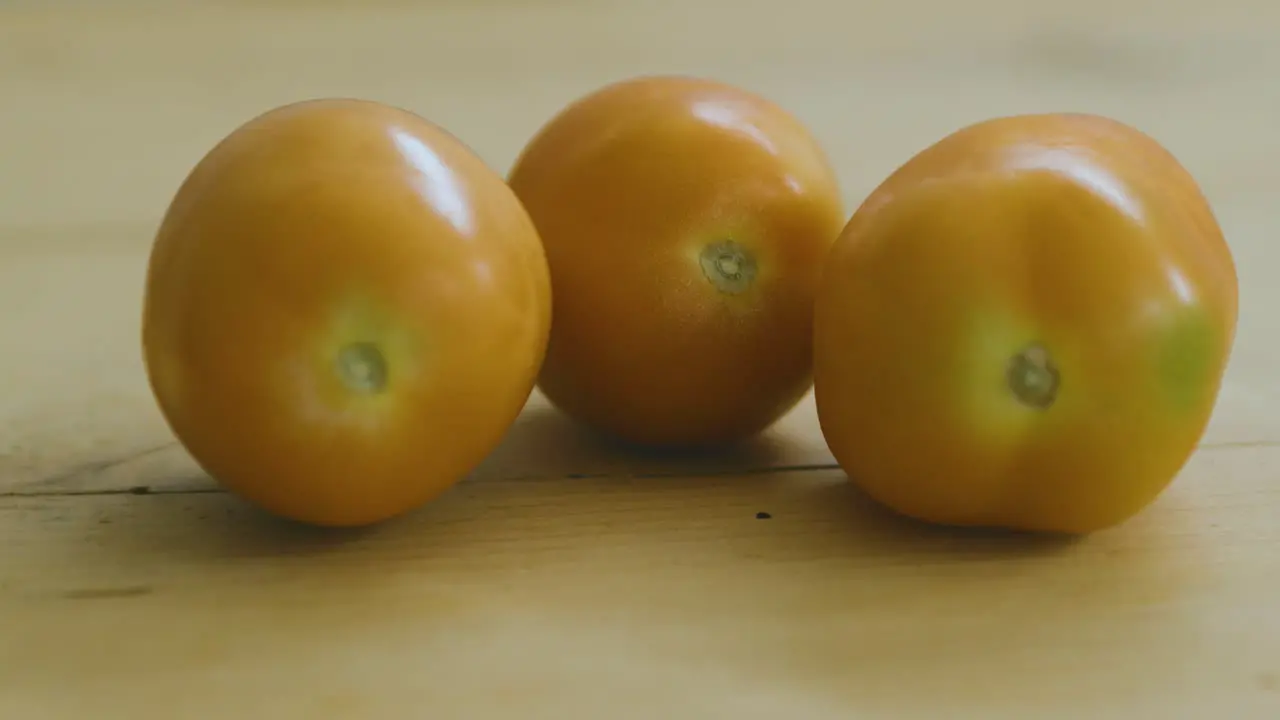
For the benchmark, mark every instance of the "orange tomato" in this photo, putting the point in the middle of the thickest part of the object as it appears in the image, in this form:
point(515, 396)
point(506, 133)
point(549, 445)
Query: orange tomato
point(685, 222)
point(345, 311)
point(1025, 326)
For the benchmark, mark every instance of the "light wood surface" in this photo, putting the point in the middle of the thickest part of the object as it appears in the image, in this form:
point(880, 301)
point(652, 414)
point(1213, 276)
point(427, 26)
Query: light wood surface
point(568, 580)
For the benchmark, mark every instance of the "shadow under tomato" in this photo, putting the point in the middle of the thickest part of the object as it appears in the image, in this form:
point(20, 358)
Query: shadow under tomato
point(504, 537)
point(186, 516)
point(546, 443)
point(873, 527)
point(551, 494)
point(131, 546)
point(216, 523)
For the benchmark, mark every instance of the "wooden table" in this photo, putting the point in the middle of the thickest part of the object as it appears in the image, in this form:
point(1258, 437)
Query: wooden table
point(566, 580)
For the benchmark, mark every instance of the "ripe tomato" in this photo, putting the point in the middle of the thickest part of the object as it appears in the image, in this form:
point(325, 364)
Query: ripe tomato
point(345, 310)
point(685, 223)
point(1025, 326)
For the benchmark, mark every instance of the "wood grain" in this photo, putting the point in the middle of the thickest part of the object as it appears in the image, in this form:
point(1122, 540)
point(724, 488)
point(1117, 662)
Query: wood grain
point(569, 578)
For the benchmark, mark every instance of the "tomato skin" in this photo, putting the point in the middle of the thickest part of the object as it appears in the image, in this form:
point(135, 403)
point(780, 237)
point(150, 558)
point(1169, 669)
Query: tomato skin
point(1072, 233)
point(323, 248)
point(634, 188)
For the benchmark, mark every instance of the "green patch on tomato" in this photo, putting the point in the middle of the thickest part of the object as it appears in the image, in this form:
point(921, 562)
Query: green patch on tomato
point(1187, 358)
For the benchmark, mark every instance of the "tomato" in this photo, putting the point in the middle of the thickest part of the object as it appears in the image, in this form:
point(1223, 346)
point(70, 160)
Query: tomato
point(685, 222)
point(345, 310)
point(1025, 327)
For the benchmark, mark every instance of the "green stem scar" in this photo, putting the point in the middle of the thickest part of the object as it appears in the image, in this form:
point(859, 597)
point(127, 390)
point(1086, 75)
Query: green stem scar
point(1033, 377)
point(728, 266)
point(362, 368)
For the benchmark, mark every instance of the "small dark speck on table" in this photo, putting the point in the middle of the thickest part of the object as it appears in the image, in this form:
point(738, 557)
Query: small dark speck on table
point(763, 516)
point(140, 490)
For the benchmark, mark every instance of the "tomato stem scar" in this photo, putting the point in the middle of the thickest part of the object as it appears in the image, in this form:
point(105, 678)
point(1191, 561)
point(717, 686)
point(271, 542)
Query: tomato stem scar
point(362, 368)
point(1033, 377)
point(728, 266)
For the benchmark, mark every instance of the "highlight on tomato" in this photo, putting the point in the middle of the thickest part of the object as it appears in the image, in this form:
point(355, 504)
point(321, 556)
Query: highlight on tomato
point(345, 310)
point(685, 223)
point(1026, 326)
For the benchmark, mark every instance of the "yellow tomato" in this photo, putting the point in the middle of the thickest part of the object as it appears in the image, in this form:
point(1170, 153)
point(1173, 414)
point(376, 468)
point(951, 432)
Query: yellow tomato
point(345, 310)
point(1025, 326)
point(685, 223)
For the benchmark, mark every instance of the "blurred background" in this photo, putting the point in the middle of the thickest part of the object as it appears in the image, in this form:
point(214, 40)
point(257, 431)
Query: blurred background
point(105, 105)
